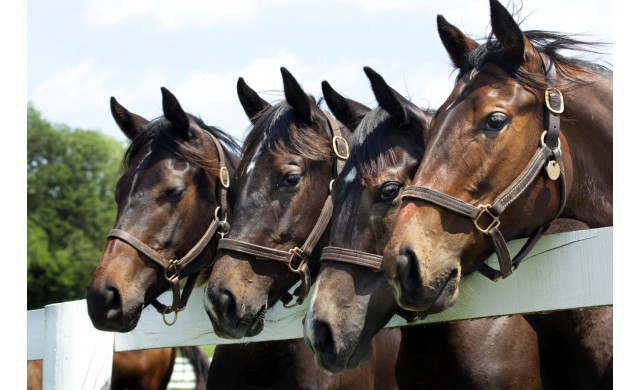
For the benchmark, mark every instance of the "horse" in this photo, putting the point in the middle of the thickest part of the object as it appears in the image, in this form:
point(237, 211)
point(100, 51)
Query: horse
point(176, 180)
point(176, 171)
point(353, 300)
point(525, 137)
point(148, 369)
point(282, 209)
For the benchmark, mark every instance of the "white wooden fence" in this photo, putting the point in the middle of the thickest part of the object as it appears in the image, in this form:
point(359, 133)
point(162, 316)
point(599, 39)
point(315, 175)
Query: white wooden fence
point(563, 271)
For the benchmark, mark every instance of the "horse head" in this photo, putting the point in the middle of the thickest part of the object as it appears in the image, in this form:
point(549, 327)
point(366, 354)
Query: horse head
point(507, 153)
point(171, 200)
point(353, 301)
point(283, 182)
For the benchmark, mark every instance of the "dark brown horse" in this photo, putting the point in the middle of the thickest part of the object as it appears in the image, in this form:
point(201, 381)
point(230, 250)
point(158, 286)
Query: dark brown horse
point(148, 369)
point(172, 199)
point(353, 300)
point(288, 162)
point(174, 184)
point(525, 137)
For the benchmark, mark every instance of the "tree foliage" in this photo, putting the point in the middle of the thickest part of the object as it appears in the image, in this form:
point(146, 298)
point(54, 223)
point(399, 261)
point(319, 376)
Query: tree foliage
point(71, 178)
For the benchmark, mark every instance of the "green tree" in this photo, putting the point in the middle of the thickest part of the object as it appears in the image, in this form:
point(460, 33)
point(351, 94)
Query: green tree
point(71, 178)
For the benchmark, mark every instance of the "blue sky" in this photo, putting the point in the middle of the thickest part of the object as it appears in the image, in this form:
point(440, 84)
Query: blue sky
point(80, 53)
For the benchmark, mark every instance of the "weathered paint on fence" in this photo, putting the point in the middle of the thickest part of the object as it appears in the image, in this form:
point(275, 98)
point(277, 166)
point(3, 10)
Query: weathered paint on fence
point(564, 271)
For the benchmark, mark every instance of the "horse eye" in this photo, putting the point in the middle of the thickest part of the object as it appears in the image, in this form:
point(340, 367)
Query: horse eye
point(496, 122)
point(174, 193)
point(390, 191)
point(290, 180)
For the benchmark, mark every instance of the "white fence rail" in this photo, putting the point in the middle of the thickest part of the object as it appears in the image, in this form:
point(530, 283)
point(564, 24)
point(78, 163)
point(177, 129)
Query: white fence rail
point(563, 271)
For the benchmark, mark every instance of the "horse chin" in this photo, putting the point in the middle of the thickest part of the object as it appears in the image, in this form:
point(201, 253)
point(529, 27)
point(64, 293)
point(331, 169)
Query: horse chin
point(116, 322)
point(424, 302)
point(235, 330)
point(258, 324)
point(336, 364)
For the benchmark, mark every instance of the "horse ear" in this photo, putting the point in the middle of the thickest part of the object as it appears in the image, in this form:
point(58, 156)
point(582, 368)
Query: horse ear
point(457, 44)
point(347, 111)
point(508, 33)
point(388, 98)
point(296, 97)
point(174, 113)
point(130, 123)
point(252, 104)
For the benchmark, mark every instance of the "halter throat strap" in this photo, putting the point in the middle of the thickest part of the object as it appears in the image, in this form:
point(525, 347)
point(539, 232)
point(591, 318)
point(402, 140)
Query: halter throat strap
point(548, 156)
point(173, 268)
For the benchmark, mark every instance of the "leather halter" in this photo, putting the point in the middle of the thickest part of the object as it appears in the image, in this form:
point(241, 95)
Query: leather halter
point(173, 267)
point(548, 156)
point(297, 258)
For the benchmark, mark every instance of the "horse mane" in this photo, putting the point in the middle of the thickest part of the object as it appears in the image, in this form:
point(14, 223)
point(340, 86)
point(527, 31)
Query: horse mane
point(159, 133)
point(283, 132)
point(547, 42)
point(370, 156)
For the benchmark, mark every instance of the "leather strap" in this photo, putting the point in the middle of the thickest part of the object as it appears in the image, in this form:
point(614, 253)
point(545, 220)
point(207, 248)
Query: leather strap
point(352, 256)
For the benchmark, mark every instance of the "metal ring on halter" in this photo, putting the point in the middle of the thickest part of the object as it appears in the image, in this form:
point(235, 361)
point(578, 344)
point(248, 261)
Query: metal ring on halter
point(494, 223)
point(224, 177)
point(336, 149)
point(547, 100)
point(542, 143)
point(297, 252)
point(175, 315)
point(224, 227)
point(173, 265)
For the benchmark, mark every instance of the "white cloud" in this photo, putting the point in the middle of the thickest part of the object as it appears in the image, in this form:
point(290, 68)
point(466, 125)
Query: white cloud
point(174, 14)
point(73, 94)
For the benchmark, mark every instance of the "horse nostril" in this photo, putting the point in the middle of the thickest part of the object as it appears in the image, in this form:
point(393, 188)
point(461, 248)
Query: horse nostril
point(104, 303)
point(112, 302)
point(324, 339)
point(225, 303)
point(407, 269)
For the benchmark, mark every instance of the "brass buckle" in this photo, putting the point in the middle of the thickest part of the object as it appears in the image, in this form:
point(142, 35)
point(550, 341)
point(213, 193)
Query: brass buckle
point(336, 149)
point(495, 223)
point(297, 252)
point(224, 177)
point(547, 100)
point(173, 267)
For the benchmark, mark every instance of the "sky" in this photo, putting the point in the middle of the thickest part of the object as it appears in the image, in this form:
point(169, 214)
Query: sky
point(81, 53)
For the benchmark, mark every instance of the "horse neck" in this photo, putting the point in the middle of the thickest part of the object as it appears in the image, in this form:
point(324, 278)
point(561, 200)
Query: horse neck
point(587, 129)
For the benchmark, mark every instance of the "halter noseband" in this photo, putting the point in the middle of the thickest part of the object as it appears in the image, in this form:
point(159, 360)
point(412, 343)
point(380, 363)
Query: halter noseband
point(548, 156)
point(173, 267)
point(296, 258)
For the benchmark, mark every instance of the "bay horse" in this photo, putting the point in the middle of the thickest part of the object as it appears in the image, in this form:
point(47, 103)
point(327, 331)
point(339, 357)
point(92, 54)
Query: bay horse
point(172, 199)
point(353, 300)
point(282, 208)
point(148, 369)
point(175, 183)
point(525, 137)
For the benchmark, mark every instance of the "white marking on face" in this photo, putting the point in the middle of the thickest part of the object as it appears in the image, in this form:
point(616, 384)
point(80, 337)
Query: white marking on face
point(351, 176)
point(252, 163)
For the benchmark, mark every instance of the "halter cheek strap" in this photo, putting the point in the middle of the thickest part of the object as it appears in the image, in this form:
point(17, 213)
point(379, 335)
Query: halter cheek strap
point(548, 156)
point(174, 267)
